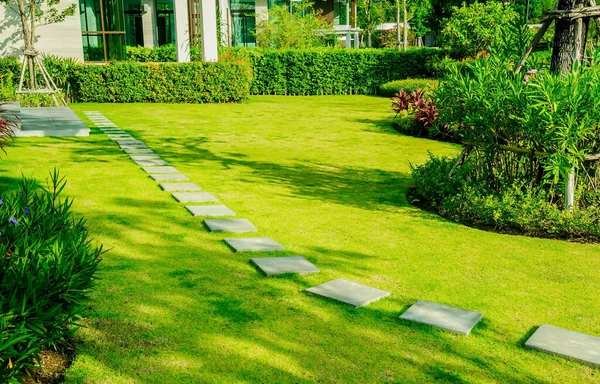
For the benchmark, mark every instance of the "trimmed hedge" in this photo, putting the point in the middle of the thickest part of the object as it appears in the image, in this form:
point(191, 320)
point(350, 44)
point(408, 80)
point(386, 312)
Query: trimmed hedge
point(335, 71)
point(198, 82)
point(163, 54)
point(409, 85)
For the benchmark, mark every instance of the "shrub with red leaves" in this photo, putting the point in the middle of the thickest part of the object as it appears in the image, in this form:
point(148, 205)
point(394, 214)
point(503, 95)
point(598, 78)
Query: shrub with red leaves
point(418, 105)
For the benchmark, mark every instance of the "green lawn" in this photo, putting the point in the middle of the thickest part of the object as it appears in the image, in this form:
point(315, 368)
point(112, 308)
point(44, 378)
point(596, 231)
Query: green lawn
point(326, 177)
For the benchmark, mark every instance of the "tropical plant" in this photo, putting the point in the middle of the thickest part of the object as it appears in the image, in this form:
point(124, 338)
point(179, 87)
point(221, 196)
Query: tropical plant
point(9, 122)
point(47, 267)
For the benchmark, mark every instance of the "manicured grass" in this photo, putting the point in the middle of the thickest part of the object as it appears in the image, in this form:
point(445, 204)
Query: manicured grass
point(326, 177)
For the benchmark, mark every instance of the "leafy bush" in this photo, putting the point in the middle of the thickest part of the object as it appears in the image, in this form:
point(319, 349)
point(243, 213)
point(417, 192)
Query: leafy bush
point(197, 82)
point(163, 54)
point(7, 87)
point(516, 208)
point(335, 71)
point(476, 27)
point(299, 28)
point(47, 267)
point(10, 66)
point(8, 124)
point(409, 85)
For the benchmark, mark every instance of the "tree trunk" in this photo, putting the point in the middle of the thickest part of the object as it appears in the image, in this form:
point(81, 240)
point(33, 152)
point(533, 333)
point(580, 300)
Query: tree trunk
point(567, 46)
point(369, 39)
point(398, 38)
point(405, 26)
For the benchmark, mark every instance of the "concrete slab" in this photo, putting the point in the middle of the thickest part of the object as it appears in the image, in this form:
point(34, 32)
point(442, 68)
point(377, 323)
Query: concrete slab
point(52, 121)
point(144, 157)
point(194, 197)
point(572, 345)
point(165, 169)
point(169, 177)
point(180, 187)
point(209, 210)
point(254, 244)
point(349, 292)
point(272, 266)
point(457, 320)
point(139, 150)
point(133, 146)
point(128, 141)
point(116, 136)
point(151, 162)
point(230, 225)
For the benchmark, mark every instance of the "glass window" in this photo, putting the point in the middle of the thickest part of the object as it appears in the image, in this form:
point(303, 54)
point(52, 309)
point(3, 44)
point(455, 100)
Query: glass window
point(341, 12)
point(102, 29)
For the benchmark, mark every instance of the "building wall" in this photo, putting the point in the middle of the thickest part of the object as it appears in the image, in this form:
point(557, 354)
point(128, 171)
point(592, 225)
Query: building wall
point(61, 39)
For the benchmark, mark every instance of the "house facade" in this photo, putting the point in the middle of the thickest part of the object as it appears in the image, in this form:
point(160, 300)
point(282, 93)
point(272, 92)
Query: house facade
point(101, 29)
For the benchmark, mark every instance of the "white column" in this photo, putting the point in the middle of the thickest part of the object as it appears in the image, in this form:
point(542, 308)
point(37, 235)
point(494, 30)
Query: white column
point(348, 39)
point(182, 30)
point(224, 15)
point(209, 30)
point(149, 23)
point(261, 9)
point(356, 40)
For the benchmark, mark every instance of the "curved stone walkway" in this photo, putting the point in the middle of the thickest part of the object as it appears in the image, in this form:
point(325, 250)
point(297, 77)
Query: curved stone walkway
point(558, 341)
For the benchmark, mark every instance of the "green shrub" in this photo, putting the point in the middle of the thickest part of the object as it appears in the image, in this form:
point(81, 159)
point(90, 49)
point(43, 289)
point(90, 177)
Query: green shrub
point(10, 65)
point(7, 86)
point(476, 27)
point(197, 82)
point(335, 71)
point(409, 85)
point(516, 208)
point(163, 54)
point(47, 267)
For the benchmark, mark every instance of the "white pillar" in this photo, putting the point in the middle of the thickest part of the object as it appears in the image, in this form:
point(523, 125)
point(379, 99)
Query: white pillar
point(182, 30)
point(570, 191)
point(348, 39)
point(149, 23)
point(224, 15)
point(209, 30)
point(261, 9)
point(356, 40)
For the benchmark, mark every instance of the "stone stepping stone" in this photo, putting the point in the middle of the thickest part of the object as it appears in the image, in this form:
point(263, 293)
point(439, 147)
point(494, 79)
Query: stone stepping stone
point(209, 210)
point(349, 292)
point(114, 132)
point(165, 169)
point(133, 146)
point(272, 266)
point(194, 197)
point(151, 162)
point(134, 150)
point(230, 225)
point(457, 320)
point(144, 157)
point(254, 244)
point(126, 141)
point(169, 177)
point(114, 137)
point(572, 345)
point(180, 187)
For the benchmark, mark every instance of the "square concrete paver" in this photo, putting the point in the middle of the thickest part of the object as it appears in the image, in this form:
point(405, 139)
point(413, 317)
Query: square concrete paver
point(194, 197)
point(151, 162)
point(271, 266)
point(134, 146)
point(139, 150)
point(166, 169)
point(169, 177)
point(144, 157)
point(565, 343)
point(180, 187)
point(349, 292)
point(128, 141)
point(453, 319)
point(209, 210)
point(254, 244)
point(230, 225)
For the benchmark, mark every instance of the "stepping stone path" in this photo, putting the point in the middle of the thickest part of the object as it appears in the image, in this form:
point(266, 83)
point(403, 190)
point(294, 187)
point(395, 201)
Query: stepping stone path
point(209, 210)
point(349, 292)
point(181, 187)
point(569, 344)
point(272, 266)
point(194, 197)
point(169, 177)
point(453, 319)
point(254, 244)
point(547, 338)
point(167, 169)
point(230, 225)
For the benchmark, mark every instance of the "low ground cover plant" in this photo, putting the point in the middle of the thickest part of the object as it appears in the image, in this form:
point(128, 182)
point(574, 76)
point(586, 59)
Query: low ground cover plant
point(389, 89)
point(47, 267)
point(523, 134)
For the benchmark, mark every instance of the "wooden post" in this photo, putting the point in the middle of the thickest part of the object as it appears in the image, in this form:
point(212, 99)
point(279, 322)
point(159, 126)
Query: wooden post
point(570, 191)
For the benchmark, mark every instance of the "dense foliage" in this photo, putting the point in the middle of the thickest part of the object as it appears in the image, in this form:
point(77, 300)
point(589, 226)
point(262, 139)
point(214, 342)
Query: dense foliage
point(523, 134)
point(163, 54)
point(300, 27)
point(47, 267)
point(8, 124)
point(197, 82)
point(476, 27)
point(409, 85)
point(336, 71)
